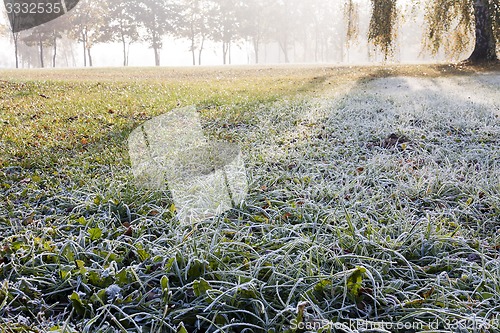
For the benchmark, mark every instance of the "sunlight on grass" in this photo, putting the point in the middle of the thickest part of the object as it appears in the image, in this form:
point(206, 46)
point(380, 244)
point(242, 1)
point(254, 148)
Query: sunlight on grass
point(369, 198)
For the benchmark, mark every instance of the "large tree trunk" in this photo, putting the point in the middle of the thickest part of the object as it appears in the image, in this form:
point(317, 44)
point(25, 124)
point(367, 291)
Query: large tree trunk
point(485, 46)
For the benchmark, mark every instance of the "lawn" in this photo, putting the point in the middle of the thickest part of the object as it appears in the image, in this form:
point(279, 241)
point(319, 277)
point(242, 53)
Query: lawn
point(374, 202)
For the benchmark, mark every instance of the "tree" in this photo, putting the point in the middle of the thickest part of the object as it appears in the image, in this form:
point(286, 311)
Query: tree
point(158, 18)
point(196, 19)
point(255, 25)
point(283, 26)
point(123, 26)
point(37, 37)
point(479, 19)
point(87, 21)
point(325, 28)
point(46, 34)
point(28, 55)
point(15, 37)
point(3, 30)
point(227, 25)
point(351, 16)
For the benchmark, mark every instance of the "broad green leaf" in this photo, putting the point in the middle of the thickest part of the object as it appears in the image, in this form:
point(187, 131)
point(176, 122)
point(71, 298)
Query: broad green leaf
point(355, 280)
point(246, 293)
point(81, 266)
point(172, 208)
point(15, 246)
point(77, 303)
point(486, 295)
point(64, 274)
point(260, 219)
point(169, 264)
point(181, 328)
point(121, 277)
point(97, 200)
point(322, 285)
point(201, 286)
point(143, 254)
point(95, 278)
point(164, 283)
point(95, 233)
point(196, 269)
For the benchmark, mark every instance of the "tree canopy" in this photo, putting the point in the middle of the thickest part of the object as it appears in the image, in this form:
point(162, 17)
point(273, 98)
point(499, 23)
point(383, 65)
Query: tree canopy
point(449, 25)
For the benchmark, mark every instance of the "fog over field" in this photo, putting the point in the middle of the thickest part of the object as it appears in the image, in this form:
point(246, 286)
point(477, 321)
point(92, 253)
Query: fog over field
point(214, 32)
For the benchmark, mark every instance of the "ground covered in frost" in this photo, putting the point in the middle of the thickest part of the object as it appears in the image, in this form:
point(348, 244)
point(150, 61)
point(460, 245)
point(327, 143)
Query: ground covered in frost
point(374, 201)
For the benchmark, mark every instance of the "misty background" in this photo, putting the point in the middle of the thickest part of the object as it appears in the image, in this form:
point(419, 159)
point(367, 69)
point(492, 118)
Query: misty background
point(213, 32)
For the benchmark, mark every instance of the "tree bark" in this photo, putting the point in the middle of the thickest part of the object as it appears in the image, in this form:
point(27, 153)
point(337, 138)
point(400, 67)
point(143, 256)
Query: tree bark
point(156, 48)
point(284, 47)
point(128, 52)
point(55, 52)
point(157, 56)
point(84, 38)
point(15, 36)
point(256, 48)
point(192, 36)
point(201, 49)
point(485, 45)
point(193, 50)
point(124, 45)
point(40, 45)
point(225, 48)
point(90, 56)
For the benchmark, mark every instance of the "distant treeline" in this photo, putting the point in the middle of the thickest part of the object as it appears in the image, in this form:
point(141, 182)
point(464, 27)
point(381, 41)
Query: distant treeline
point(304, 31)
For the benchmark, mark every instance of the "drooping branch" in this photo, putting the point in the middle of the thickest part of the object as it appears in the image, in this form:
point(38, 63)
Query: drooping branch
point(351, 16)
point(383, 31)
point(449, 25)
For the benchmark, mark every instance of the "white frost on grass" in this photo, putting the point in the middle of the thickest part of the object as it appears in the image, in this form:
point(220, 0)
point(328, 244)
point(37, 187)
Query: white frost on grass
point(329, 152)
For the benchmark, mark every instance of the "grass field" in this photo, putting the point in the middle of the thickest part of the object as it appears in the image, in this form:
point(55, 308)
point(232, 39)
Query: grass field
point(374, 202)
